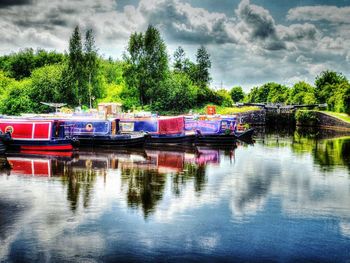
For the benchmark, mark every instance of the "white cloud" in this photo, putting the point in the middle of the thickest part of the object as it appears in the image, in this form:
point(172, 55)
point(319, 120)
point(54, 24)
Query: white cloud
point(321, 12)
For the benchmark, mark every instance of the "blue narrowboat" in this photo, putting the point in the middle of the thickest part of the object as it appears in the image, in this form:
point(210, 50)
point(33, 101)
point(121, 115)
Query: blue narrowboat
point(100, 133)
point(222, 130)
point(160, 130)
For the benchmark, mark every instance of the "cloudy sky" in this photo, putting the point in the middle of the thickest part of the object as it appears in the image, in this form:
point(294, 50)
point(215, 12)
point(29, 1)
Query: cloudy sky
point(250, 41)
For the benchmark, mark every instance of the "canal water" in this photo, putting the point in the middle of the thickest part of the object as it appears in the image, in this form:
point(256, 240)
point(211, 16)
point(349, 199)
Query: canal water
point(285, 198)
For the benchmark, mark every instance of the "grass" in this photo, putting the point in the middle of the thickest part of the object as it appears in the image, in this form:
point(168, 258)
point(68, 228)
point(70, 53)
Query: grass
point(228, 110)
point(343, 116)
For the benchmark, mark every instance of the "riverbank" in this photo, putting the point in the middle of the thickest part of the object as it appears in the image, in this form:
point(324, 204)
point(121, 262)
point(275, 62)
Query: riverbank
point(323, 119)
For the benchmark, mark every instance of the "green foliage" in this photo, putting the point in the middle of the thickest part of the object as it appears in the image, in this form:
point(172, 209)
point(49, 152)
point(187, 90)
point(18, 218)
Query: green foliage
point(20, 65)
point(302, 93)
point(74, 73)
point(269, 92)
point(179, 60)
point(91, 66)
point(202, 75)
point(46, 86)
point(206, 95)
point(5, 82)
point(326, 84)
point(277, 93)
point(17, 99)
point(114, 93)
point(147, 64)
point(225, 97)
point(176, 94)
point(339, 101)
point(237, 94)
point(306, 118)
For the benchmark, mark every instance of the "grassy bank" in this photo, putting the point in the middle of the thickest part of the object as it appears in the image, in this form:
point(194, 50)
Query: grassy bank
point(227, 110)
point(342, 116)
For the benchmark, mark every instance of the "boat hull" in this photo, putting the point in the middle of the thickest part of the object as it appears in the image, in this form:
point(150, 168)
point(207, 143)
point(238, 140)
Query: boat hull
point(216, 139)
point(170, 139)
point(111, 141)
point(41, 145)
point(225, 139)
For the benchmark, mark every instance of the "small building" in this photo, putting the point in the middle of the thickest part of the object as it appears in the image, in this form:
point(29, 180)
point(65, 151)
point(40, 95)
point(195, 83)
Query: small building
point(110, 108)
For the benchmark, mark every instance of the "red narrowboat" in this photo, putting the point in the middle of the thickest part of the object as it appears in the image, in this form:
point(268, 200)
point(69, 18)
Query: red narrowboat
point(36, 135)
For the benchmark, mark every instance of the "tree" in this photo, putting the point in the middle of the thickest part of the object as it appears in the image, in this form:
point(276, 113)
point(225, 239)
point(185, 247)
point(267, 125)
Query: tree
point(156, 59)
point(134, 71)
point(91, 66)
point(176, 94)
point(302, 93)
point(203, 66)
point(21, 64)
point(45, 87)
point(17, 99)
point(74, 80)
point(237, 94)
point(147, 64)
point(225, 97)
point(339, 101)
point(179, 59)
point(269, 92)
point(326, 84)
point(277, 93)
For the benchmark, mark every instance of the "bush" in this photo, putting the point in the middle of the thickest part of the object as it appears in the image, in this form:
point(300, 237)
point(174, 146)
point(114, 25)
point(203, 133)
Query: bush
point(307, 118)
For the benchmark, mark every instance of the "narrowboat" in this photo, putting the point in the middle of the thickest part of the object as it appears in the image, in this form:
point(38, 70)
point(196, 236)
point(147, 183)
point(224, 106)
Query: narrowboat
point(160, 130)
point(101, 133)
point(36, 135)
point(218, 131)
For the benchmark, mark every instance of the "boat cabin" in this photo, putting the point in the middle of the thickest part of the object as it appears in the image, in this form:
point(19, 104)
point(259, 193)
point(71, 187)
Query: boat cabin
point(154, 125)
point(33, 130)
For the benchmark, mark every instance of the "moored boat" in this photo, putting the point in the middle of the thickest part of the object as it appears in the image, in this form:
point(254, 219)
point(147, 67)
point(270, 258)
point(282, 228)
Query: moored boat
point(101, 133)
point(217, 131)
point(160, 130)
point(36, 135)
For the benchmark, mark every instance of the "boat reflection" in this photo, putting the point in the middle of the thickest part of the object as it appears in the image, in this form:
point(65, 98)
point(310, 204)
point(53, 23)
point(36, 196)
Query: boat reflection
point(142, 172)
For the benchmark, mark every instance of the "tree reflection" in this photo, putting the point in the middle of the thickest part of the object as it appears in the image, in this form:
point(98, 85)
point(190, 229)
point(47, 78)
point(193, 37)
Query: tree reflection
point(146, 181)
point(333, 152)
point(80, 178)
point(145, 188)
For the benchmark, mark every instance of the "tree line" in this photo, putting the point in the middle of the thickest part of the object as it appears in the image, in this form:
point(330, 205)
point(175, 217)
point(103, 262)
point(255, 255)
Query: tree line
point(145, 78)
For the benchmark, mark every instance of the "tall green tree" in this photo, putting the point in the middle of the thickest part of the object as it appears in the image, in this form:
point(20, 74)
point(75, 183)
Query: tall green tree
point(75, 71)
point(157, 64)
point(91, 66)
point(203, 66)
point(147, 61)
point(237, 94)
point(302, 93)
point(326, 84)
point(179, 59)
point(134, 71)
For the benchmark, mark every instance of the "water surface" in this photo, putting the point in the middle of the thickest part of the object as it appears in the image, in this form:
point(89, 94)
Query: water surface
point(286, 198)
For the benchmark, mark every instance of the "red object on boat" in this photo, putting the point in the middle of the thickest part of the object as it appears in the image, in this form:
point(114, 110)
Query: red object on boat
point(36, 135)
point(174, 125)
point(211, 110)
point(27, 129)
